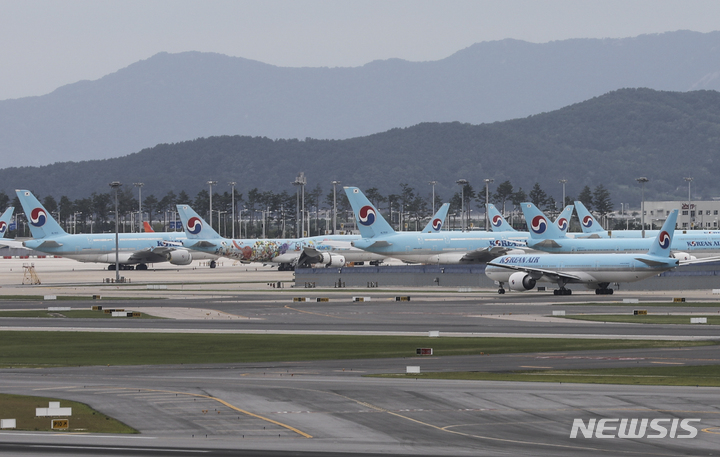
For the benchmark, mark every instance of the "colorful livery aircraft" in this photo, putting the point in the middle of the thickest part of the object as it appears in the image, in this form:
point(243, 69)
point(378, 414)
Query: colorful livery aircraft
point(595, 271)
point(329, 250)
point(136, 250)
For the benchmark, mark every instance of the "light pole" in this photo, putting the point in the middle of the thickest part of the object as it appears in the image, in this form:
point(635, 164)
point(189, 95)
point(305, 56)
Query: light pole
point(335, 183)
point(115, 185)
point(563, 182)
point(139, 185)
point(690, 219)
point(432, 183)
point(232, 198)
point(642, 180)
point(301, 181)
point(487, 200)
point(462, 183)
point(211, 183)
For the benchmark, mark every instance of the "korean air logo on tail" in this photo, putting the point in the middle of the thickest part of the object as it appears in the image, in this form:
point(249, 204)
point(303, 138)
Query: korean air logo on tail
point(497, 220)
point(664, 239)
point(437, 224)
point(587, 221)
point(3, 227)
point(366, 216)
point(38, 217)
point(562, 224)
point(538, 225)
point(194, 225)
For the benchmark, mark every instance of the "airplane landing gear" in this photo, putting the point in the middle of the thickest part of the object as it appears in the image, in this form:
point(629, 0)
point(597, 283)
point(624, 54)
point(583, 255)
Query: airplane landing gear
point(141, 266)
point(562, 291)
point(603, 291)
point(501, 289)
point(213, 264)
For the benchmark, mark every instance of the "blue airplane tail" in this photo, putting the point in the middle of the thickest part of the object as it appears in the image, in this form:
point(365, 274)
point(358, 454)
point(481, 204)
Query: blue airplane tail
point(437, 221)
point(497, 221)
point(661, 246)
point(5, 221)
point(539, 225)
point(588, 223)
point(370, 221)
point(194, 225)
point(42, 224)
point(563, 220)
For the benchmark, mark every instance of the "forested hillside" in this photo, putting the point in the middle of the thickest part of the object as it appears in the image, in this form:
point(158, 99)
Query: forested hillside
point(609, 140)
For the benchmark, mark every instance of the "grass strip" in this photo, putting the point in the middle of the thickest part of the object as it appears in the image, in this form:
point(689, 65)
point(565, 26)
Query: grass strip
point(644, 319)
point(647, 304)
point(83, 419)
point(702, 375)
point(72, 314)
point(49, 349)
point(67, 298)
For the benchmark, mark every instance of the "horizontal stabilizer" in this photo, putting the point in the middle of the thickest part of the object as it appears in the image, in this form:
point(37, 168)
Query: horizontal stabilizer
point(380, 244)
point(651, 263)
point(50, 244)
point(203, 244)
point(547, 244)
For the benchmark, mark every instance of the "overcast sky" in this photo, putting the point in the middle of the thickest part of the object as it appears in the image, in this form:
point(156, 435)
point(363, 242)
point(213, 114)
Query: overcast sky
point(47, 44)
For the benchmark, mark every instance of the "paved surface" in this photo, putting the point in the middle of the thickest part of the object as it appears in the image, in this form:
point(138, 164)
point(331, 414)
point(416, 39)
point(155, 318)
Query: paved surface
point(327, 406)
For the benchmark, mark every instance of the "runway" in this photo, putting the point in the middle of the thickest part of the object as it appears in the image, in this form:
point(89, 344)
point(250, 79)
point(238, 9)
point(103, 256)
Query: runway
point(328, 406)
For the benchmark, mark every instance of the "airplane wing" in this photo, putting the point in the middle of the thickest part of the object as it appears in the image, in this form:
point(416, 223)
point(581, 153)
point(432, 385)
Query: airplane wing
point(684, 262)
point(485, 254)
point(536, 273)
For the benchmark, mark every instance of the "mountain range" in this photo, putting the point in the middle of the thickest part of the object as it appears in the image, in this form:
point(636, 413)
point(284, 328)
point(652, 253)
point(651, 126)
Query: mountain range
point(610, 140)
point(171, 98)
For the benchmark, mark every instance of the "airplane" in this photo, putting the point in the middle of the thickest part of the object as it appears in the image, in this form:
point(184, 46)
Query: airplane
point(147, 227)
point(5, 221)
point(329, 250)
point(595, 271)
point(446, 247)
point(593, 229)
point(545, 237)
point(497, 221)
point(136, 250)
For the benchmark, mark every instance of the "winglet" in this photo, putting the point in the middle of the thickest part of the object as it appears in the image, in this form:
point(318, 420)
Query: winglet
point(5, 221)
point(194, 225)
point(588, 223)
point(437, 221)
point(661, 246)
point(539, 225)
point(497, 221)
point(370, 221)
point(42, 224)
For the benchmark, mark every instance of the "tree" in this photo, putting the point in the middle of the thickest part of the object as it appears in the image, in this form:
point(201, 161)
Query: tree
point(538, 196)
point(601, 199)
point(150, 205)
point(518, 197)
point(4, 200)
point(586, 198)
point(48, 202)
point(503, 192)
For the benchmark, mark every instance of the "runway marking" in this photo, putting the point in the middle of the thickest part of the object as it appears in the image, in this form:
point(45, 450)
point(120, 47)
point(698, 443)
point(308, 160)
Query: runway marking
point(248, 413)
point(317, 314)
point(530, 366)
point(670, 363)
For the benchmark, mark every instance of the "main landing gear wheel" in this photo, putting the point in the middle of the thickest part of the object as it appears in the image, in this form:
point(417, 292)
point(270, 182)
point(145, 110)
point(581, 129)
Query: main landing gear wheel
point(213, 264)
point(562, 291)
point(603, 291)
point(501, 291)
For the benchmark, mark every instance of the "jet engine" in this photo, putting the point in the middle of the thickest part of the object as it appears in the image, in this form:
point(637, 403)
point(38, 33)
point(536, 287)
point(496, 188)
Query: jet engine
point(520, 282)
point(179, 257)
point(331, 260)
point(683, 256)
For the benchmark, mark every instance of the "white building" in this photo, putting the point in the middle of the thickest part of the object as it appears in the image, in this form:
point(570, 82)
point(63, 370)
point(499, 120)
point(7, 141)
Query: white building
point(700, 215)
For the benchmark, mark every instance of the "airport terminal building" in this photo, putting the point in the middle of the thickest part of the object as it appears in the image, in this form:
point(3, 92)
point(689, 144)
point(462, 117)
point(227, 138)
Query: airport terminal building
point(699, 215)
